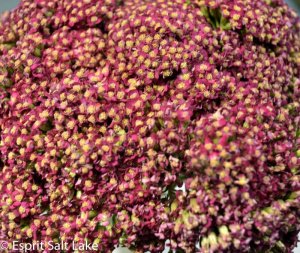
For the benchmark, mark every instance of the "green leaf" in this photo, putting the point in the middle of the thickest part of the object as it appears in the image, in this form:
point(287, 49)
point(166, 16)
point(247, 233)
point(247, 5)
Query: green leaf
point(161, 122)
point(114, 220)
point(92, 214)
point(225, 24)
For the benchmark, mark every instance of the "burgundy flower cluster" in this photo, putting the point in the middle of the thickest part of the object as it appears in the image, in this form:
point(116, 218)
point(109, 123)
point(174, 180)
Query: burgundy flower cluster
point(151, 124)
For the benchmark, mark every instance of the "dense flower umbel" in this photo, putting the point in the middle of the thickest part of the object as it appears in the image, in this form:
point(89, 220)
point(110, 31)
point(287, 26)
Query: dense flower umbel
point(108, 108)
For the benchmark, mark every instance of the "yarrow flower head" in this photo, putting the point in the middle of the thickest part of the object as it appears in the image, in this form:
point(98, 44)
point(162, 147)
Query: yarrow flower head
point(151, 124)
